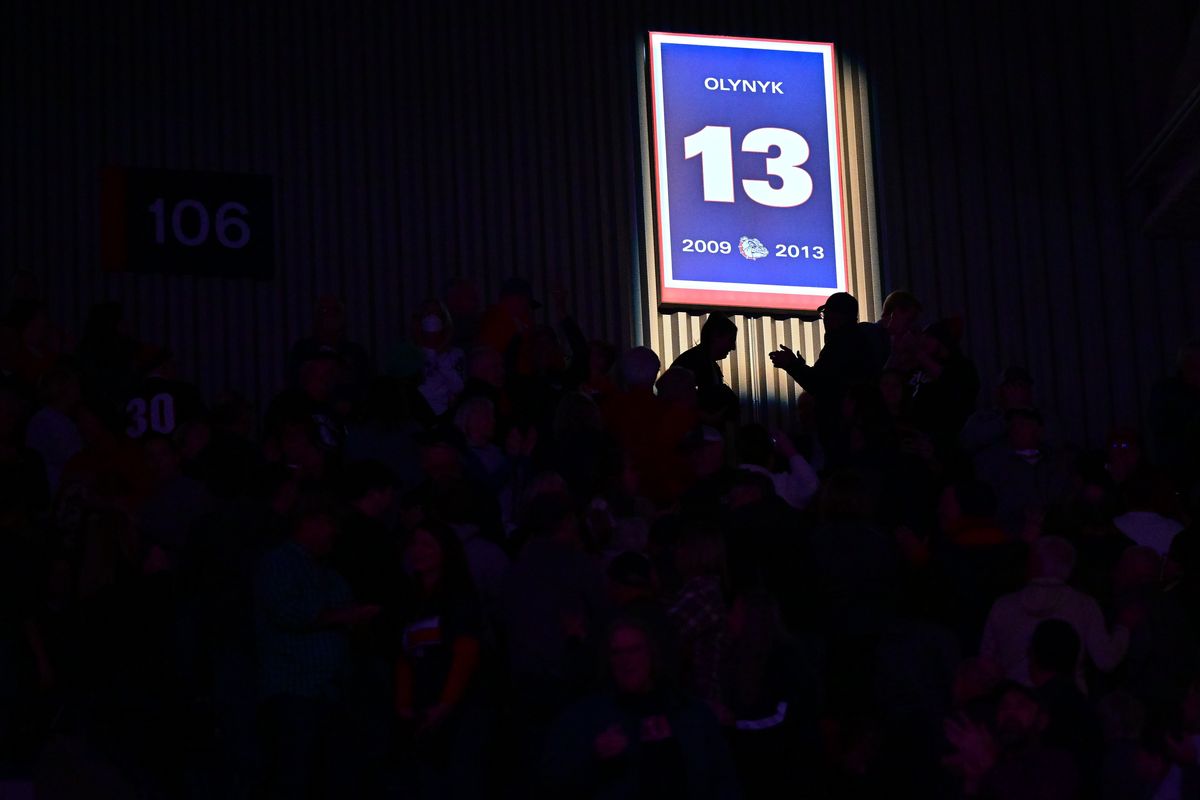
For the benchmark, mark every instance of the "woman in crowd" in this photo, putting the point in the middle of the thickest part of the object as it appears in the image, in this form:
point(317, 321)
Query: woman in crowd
point(437, 701)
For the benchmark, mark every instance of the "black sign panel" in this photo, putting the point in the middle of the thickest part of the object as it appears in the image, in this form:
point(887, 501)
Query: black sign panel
point(187, 223)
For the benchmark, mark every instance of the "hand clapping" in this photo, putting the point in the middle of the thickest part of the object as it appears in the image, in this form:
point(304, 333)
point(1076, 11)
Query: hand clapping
point(785, 358)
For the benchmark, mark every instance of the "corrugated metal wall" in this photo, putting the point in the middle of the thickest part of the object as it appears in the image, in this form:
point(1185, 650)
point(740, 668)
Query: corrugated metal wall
point(412, 142)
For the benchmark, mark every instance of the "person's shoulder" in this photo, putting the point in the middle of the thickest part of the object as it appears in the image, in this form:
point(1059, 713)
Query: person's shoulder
point(1082, 600)
point(689, 356)
point(1008, 602)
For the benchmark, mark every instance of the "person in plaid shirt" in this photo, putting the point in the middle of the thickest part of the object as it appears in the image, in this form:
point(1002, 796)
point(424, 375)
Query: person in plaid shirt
point(699, 614)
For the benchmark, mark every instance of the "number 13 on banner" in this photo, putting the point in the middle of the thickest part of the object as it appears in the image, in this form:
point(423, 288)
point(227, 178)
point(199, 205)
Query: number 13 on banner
point(714, 145)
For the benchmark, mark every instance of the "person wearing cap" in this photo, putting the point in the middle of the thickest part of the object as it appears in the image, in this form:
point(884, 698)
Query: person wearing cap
point(849, 358)
point(987, 426)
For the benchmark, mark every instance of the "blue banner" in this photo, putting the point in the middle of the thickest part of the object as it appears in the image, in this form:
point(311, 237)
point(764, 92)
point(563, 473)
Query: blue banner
point(747, 172)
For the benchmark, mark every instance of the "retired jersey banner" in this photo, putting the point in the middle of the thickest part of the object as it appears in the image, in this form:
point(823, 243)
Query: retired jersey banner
point(747, 172)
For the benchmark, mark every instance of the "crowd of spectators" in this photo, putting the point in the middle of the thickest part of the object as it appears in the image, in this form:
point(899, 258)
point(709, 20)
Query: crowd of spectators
point(504, 560)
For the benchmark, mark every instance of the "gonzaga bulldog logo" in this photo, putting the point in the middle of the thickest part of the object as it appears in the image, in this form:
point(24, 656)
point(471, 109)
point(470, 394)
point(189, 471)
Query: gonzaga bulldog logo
point(752, 249)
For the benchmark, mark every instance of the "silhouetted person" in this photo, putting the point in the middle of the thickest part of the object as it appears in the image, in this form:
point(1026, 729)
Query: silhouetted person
point(847, 359)
point(718, 336)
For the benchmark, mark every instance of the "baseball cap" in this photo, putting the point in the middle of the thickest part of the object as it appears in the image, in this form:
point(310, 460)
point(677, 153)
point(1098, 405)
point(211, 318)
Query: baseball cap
point(840, 303)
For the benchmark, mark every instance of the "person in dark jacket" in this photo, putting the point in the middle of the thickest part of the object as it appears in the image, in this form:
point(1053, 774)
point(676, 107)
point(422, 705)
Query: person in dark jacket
point(849, 358)
point(639, 739)
point(717, 339)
